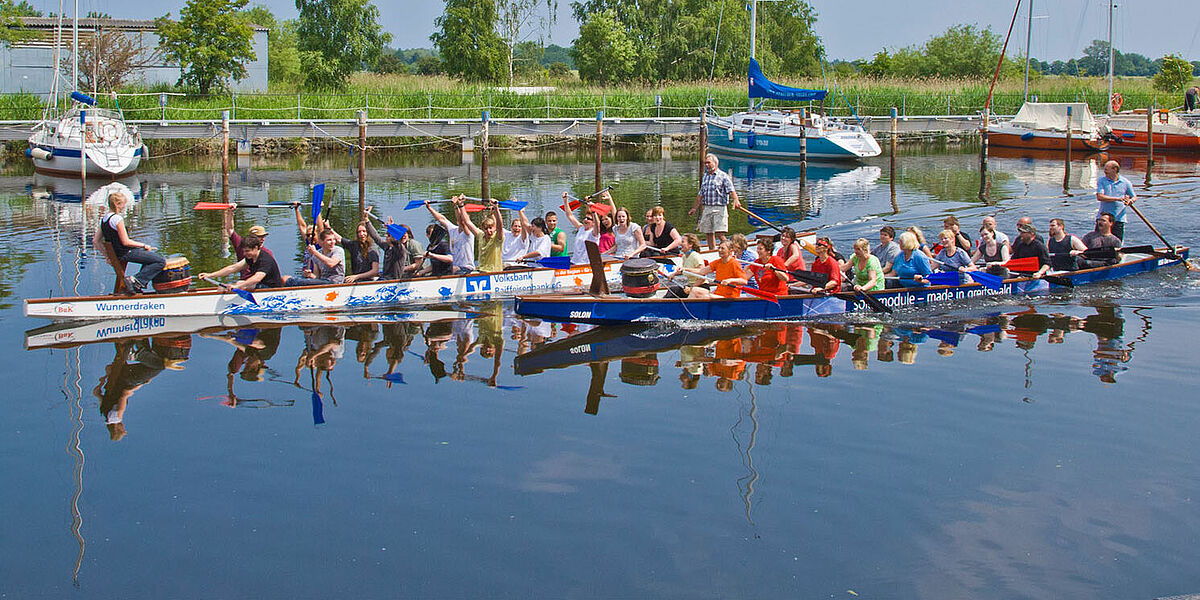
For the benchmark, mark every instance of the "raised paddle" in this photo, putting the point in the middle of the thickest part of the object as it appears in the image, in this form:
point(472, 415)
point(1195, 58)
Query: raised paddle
point(318, 195)
point(415, 204)
point(225, 206)
point(1170, 249)
point(245, 295)
point(508, 204)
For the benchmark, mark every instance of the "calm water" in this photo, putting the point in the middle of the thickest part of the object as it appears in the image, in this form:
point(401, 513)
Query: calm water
point(1020, 448)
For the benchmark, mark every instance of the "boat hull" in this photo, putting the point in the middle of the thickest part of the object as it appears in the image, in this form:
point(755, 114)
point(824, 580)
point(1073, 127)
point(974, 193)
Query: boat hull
point(370, 295)
point(779, 146)
point(611, 311)
point(1044, 140)
point(64, 162)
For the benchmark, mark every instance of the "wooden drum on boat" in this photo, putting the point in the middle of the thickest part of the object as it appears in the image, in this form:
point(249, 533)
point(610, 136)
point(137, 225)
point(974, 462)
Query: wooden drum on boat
point(639, 277)
point(640, 371)
point(176, 276)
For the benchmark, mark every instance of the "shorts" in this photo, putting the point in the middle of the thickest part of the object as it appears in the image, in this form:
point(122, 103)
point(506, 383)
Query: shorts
point(713, 219)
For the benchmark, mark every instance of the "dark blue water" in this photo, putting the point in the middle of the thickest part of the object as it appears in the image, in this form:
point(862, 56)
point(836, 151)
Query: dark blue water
point(1014, 448)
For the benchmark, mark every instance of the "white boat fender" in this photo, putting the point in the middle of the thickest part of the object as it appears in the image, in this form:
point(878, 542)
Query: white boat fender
point(730, 132)
point(38, 153)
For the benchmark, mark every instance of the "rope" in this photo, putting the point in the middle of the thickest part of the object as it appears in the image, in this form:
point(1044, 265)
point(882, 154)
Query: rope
point(188, 149)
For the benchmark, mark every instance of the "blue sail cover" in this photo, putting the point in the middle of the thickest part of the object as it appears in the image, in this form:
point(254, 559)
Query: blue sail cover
point(761, 87)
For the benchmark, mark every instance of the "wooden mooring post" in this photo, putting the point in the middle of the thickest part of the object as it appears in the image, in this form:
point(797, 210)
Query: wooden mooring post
point(983, 152)
point(483, 158)
point(1067, 161)
point(1150, 138)
point(892, 172)
point(225, 156)
point(362, 164)
point(599, 147)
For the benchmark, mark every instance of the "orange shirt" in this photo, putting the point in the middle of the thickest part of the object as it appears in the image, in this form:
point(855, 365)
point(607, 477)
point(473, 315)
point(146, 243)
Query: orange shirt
point(768, 279)
point(727, 269)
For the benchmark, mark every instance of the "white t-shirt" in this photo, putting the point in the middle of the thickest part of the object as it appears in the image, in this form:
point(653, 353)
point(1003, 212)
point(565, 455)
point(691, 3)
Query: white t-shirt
point(514, 247)
point(578, 250)
point(541, 245)
point(462, 247)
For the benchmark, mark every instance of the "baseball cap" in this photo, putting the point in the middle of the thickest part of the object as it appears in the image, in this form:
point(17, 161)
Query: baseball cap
point(258, 230)
point(1026, 228)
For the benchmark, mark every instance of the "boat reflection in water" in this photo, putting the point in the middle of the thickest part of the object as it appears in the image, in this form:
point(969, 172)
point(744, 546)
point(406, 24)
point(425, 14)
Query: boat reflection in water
point(786, 192)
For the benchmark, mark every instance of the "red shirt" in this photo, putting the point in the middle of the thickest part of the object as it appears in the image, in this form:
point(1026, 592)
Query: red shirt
point(830, 267)
point(768, 279)
point(796, 263)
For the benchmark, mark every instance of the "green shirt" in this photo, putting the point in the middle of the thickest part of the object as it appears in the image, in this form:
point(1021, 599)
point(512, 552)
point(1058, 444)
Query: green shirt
point(488, 259)
point(863, 275)
point(554, 237)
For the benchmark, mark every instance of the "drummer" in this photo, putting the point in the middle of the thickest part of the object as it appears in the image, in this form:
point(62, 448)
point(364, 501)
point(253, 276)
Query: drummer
point(264, 269)
point(112, 230)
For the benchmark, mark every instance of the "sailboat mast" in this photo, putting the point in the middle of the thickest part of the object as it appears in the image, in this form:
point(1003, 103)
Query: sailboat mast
point(75, 50)
point(1111, 6)
point(1028, 39)
point(753, 35)
point(57, 56)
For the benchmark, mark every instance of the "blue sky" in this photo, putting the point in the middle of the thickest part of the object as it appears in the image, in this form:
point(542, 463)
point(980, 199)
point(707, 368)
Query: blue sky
point(849, 29)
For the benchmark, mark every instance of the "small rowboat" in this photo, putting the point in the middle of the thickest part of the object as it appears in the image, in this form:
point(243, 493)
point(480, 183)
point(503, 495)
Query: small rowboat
point(583, 308)
point(367, 295)
point(70, 334)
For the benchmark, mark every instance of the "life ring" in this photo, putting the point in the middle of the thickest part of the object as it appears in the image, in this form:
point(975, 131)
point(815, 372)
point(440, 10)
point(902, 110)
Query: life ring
point(1164, 116)
point(1115, 101)
point(109, 131)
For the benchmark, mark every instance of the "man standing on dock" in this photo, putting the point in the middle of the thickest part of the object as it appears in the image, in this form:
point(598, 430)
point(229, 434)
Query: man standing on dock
point(716, 189)
point(1114, 192)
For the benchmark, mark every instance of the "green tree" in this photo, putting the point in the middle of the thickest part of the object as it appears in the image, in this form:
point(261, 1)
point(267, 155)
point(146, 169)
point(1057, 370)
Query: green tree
point(603, 53)
point(337, 38)
point(390, 63)
point(210, 41)
point(963, 51)
point(513, 20)
point(1174, 75)
point(11, 12)
point(558, 70)
point(283, 58)
point(467, 41)
point(428, 65)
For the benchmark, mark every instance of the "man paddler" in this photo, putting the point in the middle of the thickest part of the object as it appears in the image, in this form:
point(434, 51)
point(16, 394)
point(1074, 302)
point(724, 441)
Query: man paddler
point(264, 270)
point(1028, 244)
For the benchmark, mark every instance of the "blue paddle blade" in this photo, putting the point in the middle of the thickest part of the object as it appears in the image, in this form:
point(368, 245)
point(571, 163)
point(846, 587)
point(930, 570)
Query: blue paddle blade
point(318, 409)
point(243, 294)
point(555, 262)
point(394, 377)
point(945, 336)
point(509, 388)
point(396, 231)
point(987, 280)
point(984, 329)
point(414, 204)
point(512, 204)
point(943, 278)
point(318, 194)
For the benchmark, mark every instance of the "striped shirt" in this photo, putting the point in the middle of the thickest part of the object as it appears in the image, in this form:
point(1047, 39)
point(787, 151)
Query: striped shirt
point(715, 188)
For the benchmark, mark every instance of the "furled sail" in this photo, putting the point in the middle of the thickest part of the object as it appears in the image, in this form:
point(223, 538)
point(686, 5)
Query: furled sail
point(761, 87)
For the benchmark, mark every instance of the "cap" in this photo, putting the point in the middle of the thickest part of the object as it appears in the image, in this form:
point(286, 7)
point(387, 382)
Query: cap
point(1026, 228)
point(258, 230)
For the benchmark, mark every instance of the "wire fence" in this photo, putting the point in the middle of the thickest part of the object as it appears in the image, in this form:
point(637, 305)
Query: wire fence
point(509, 105)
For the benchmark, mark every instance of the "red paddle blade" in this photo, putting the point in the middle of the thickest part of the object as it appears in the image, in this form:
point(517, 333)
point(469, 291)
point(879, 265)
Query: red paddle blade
point(600, 209)
point(1029, 263)
point(211, 206)
point(761, 294)
point(474, 207)
point(570, 206)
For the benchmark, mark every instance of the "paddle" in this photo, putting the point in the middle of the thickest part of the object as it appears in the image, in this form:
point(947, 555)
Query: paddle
point(245, 295)
point(551, 262)
point(748, 290)
point(318, 195)
point(396, 231)
point(987, 280)
point(415, 204)
point(224, 206)
point(810, 277)
point(766, 222)
point(508, 204)
point(1170, 249)
point(1026, 264)
point(1059, 280)
point(871, 301)
point(599, 283)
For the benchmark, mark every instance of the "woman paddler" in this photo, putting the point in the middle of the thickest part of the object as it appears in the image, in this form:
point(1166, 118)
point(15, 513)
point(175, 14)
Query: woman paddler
point(112, 230)
point(727, 272)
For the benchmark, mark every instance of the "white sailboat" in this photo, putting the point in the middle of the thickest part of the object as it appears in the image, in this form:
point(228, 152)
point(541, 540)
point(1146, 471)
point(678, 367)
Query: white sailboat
point(85, 141)
point(780, 135)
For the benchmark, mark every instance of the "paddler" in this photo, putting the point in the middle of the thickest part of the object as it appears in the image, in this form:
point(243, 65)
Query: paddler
point(262, 266)
point(727, 272)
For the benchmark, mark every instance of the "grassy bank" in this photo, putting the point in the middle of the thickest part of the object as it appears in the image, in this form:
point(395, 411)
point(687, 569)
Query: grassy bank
point(417, 97)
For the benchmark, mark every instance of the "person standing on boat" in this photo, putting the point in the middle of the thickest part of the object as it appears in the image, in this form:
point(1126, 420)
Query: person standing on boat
point(586, 231)
point(264, 271)
point(112, 230)
point(1114, 193)
point(1028, 244)
point(716, 191)
point(462, 239)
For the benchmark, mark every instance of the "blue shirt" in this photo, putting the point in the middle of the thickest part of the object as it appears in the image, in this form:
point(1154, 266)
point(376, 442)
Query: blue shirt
point(906, 269)
point(1120, 187)
point(953, 261)
point(715, 188)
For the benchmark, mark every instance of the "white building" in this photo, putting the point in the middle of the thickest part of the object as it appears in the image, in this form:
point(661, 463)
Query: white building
point(28, 66)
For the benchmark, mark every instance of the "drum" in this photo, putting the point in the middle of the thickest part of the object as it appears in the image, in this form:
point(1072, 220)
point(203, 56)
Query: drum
point(173, 349)
point(639, 371)
point(176, 276)
point(639, 277)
